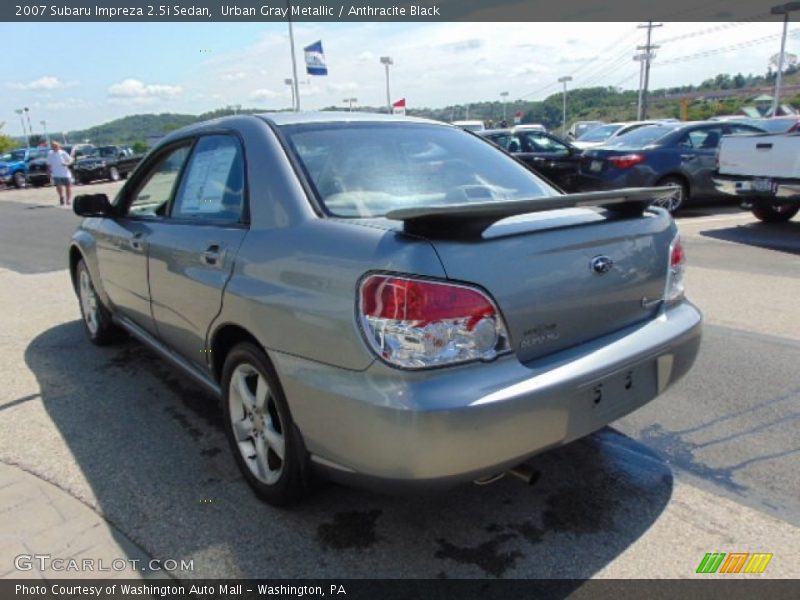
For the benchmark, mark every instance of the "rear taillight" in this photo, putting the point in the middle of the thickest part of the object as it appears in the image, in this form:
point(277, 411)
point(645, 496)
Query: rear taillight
point(419, 323)
point(625, 161)
point(675, 275)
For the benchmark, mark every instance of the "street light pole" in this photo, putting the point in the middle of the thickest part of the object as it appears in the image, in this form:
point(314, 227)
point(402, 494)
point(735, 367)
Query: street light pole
point(46, 135)
point(504, 96)
point(386, 61)
point(290, 82)
point(349, 102)
point(30, 127)
point(295, 90)
point(564, 80)
point(19, 111)
point(781, 9)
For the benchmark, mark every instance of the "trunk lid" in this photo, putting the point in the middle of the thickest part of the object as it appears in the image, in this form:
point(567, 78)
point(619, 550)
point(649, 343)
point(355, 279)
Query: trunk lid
point(542, 271)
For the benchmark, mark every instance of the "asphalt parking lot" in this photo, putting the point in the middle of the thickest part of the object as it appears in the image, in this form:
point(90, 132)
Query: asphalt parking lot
point(711, 466)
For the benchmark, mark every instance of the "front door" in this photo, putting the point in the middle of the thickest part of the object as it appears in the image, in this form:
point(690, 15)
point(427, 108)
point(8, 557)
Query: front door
point(192, 252)
point(122, 243)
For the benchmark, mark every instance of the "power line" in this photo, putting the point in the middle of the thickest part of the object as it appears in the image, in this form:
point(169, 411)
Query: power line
point(724, 49)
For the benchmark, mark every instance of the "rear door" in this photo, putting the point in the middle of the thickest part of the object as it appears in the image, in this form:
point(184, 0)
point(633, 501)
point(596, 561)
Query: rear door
point(191, 254)
point(697, 150)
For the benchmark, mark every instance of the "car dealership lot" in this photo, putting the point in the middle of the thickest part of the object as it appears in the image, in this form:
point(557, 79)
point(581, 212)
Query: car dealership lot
point(709, 467)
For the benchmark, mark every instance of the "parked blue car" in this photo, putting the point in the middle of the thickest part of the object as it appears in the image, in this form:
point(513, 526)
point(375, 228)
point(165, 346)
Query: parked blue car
point(680, 155)
point(14, 166)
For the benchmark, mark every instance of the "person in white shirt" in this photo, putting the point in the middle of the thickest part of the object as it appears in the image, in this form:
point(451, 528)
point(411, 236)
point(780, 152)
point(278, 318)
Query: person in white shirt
point(58, 163)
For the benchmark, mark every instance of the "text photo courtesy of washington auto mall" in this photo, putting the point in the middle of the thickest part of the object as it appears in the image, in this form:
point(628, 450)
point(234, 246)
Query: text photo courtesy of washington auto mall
point(400, 300)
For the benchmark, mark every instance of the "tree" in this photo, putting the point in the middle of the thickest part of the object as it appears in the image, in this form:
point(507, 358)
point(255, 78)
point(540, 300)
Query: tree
point(36, 140)
point(139, 147)
point(6, 143)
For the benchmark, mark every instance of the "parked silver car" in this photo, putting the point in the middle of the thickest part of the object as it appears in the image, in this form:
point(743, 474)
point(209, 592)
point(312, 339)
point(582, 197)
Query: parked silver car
point(384, 300)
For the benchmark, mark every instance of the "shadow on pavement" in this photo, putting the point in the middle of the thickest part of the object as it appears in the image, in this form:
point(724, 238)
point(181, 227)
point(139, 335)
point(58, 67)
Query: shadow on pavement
point(784, 237)
point(151, 446)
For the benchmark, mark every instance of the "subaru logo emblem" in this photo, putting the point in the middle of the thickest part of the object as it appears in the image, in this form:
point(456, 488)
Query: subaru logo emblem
point(601, 264)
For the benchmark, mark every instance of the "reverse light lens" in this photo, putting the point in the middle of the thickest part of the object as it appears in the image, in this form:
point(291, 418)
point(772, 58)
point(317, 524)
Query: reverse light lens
point(419, 323)
point(675, 275)
point(626, 160)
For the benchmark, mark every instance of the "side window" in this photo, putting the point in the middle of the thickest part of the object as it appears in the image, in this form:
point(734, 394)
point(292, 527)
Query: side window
point(703, 139)
point(153, 195)
point(542, 143)
point(213, 186)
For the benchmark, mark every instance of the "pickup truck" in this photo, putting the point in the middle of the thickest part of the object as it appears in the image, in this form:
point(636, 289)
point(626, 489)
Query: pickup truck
point(764, 170)
point(105, 162)
point(14, 165)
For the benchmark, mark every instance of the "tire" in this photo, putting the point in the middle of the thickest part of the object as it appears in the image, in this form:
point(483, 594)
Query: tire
point(259, 427)
point(113, 174)
point(681, 197)
point(97, 321)
point(19, 180)
point(775, 213)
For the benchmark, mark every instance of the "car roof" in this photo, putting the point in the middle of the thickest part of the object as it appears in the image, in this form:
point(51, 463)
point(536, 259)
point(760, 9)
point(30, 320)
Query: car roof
point(297, 118)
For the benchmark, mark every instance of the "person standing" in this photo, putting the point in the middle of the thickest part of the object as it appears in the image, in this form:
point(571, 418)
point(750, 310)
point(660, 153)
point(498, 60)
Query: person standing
point(58, 162)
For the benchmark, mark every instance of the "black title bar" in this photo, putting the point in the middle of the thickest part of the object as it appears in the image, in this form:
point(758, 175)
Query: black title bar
point(386, 10)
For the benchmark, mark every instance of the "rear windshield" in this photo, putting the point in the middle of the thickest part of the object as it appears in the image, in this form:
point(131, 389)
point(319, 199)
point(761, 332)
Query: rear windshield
point(369, 169)
point(643, 136)
point(775, 125)
point(600, 134)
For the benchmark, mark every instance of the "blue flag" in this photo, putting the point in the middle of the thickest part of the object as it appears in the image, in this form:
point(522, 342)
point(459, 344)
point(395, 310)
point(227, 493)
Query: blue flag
point(315, 59)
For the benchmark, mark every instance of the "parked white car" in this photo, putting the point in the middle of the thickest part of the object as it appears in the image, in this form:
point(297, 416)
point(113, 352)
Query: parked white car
point(470, 125)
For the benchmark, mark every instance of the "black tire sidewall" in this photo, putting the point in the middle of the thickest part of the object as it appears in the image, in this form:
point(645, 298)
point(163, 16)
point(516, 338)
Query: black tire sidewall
point(107, 332)
point(292, 482)
point(768, 214)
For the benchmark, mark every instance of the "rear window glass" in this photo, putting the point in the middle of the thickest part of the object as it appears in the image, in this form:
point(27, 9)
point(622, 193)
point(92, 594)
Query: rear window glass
point(600, 134)
point(642, 136)
point(369, 169)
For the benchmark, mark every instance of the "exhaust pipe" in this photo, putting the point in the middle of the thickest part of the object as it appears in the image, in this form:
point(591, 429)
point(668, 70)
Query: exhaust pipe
point(526, 473)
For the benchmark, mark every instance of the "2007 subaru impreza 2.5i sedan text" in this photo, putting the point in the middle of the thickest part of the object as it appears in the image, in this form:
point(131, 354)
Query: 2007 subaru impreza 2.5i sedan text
point(385, 301)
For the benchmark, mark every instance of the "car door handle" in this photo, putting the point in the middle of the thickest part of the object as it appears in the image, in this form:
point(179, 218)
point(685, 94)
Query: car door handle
point(137, 242)
point(688, 156)
point(214, 255)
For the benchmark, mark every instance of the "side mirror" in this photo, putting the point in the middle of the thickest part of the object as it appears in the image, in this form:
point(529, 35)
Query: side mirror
point(92, 205)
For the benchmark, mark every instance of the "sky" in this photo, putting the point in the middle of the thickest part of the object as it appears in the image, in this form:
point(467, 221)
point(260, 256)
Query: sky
point(75, 75)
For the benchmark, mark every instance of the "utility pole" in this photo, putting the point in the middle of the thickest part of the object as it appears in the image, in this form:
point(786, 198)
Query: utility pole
point(646, 56)
point(782, 9)
point(564, 80)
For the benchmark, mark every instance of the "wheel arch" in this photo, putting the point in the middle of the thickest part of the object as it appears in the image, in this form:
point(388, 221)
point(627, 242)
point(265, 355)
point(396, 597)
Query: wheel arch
point(223, 339)
point(677, 175)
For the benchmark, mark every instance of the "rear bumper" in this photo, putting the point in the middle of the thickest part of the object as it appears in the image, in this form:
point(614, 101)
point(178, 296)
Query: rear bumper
point(779, 189)
point(386, 427)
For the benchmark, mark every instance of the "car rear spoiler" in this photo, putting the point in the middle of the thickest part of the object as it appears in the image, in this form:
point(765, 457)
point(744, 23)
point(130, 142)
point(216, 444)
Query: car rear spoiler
point(472, 219)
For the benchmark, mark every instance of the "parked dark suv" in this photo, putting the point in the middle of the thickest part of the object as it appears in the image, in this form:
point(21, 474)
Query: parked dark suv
point(682, 155)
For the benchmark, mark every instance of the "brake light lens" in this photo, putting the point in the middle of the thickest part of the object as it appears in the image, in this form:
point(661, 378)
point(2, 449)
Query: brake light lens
point(625, 161)
point(675, 275)
point(420, 323)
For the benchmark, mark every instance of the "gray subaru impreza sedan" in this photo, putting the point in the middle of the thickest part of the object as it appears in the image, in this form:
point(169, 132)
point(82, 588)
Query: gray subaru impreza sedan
point(382, 300)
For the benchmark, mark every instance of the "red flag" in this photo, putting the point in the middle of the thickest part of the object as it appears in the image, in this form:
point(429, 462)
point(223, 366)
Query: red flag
point(399, 107)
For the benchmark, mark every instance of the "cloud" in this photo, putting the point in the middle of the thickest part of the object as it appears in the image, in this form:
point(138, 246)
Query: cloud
point(464, 45)
point(262, 94)
point(346, 86)
point(47, 82)
point(135, 89)
point(237, 76)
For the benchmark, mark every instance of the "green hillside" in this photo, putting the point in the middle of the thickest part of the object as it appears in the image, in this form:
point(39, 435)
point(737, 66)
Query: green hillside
point(595, 103)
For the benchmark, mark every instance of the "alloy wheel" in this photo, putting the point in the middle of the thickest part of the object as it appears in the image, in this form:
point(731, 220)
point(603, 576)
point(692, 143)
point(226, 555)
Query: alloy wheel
point(257, 423)
point(89, 302)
